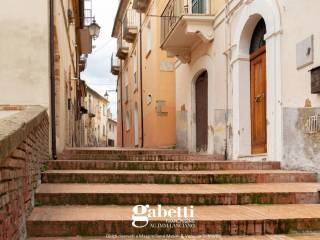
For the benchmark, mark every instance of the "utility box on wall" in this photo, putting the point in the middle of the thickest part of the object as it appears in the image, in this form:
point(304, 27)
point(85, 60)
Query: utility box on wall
point(315, 80)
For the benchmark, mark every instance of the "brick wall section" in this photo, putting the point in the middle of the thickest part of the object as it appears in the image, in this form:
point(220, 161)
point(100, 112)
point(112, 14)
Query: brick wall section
point(24, 145)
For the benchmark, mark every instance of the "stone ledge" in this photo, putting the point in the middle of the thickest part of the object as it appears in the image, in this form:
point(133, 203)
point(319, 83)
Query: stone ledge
point(16, 127)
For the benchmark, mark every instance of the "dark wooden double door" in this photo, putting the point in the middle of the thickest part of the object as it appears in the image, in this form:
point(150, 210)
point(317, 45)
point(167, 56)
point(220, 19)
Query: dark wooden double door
point(201, 90)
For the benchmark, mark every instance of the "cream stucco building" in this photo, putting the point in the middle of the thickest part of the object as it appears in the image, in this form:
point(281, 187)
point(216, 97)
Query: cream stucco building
point(111, 130)
point(42, 54)
point(247, 78)
point(146, 80)
point(95, 120)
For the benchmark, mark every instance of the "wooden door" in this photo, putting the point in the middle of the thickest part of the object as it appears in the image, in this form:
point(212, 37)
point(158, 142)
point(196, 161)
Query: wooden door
point(258, 101)
point(202, 112)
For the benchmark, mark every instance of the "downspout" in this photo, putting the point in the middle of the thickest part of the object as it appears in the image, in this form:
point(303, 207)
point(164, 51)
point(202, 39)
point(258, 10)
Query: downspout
point(52, 83)
point(227, 56)
point(121, 110)
point(141, 88)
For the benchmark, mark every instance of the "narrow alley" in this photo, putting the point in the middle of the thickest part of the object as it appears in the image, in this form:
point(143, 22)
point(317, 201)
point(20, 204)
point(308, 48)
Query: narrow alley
point(159, 119)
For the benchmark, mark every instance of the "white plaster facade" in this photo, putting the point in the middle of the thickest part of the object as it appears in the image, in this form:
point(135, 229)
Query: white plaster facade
point(227, 61)
point(24, 48)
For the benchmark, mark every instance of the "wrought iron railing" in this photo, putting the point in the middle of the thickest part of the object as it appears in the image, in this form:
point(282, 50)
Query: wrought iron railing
point(130, 19)
point(175, 9)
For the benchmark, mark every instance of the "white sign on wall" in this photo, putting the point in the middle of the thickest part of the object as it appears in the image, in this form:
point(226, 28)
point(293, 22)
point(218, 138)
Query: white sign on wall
point(304, 55)
point(166, 66)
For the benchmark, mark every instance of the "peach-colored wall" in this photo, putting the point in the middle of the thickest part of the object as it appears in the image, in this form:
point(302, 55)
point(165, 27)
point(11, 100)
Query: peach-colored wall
point(159, 128)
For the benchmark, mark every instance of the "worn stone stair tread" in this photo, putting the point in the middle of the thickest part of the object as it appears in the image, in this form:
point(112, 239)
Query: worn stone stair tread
point(177, 172)
point(305, 236)
point(166, 161)
point(123, 149)
point(202, 213)
point(208, 161)
point(88, 188)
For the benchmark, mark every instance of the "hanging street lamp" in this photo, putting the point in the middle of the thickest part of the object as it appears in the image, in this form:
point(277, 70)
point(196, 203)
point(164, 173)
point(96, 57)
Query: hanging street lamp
point(94, 29)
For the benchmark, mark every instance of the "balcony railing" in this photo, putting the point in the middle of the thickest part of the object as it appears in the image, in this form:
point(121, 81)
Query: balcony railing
point(130, 25)
point(178, 8)
point(183, 24)
point(123, 48)
point(115, 64)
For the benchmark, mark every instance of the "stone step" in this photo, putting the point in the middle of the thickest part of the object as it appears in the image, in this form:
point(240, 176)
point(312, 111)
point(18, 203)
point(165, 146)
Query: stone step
point(297, 236)
point(130, 154)
point(129, 151)
point(57, 221)
point(197, 194)
point(177, 177)
point(139, 157)
point(161, 165)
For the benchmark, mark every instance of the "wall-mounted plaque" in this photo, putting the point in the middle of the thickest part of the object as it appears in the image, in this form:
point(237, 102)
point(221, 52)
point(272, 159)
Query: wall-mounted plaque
point(305, 52)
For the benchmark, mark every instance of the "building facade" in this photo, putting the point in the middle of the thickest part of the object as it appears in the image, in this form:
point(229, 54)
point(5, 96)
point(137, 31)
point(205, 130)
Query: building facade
point(44, 55)
point(95, 120)
point(146, 80)
point(248, 78)
point(111, 130)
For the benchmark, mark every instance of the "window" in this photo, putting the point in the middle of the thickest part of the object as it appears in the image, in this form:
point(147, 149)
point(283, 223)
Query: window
point(126, 88)
point(127, 121)
point(199, 6)
point(104, 130)
point(90, 104)
point(135, 63)
point(126, 93)
point(110, 127)
point(149, 39)
point(104, 110)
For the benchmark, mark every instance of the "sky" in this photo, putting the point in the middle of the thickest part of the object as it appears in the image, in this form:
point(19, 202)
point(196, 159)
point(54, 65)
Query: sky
point(97, 74)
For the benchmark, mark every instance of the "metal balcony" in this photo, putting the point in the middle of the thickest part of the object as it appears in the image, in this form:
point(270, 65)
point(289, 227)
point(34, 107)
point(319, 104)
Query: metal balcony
point(130, 25)
point(123, 48)
point(184, 25)
point(141, 5)
point(115, 65)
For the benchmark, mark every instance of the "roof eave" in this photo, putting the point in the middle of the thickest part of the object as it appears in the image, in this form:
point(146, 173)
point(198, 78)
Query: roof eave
point(118, 20)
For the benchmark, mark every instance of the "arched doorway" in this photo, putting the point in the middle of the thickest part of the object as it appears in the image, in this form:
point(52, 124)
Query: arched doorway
point(258, 88)
point(244, 29)
point(136, 125)
point(201, 99)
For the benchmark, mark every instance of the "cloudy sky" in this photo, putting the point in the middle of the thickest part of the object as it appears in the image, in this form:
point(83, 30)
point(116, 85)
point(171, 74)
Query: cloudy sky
point(97, 74)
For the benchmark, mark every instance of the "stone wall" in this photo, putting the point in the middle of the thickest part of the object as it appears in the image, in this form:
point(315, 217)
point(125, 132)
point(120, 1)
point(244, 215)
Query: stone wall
point(24, 146)
point(301, 148)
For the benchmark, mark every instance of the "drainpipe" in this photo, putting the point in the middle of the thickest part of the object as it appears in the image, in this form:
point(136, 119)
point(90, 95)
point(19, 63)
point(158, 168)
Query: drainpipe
point(141, 88)
point(52, 84)
point(121, 103)
point(228, 69)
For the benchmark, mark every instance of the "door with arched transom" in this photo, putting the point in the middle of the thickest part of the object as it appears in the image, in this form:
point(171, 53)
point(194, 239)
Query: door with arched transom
point(258, 91)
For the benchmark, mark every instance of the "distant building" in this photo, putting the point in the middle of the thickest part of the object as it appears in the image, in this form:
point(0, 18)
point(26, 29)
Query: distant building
point(112, 130)
point(95, 121)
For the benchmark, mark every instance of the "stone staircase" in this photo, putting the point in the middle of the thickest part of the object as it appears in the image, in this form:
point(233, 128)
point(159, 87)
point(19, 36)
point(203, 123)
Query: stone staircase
point(91, 192)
